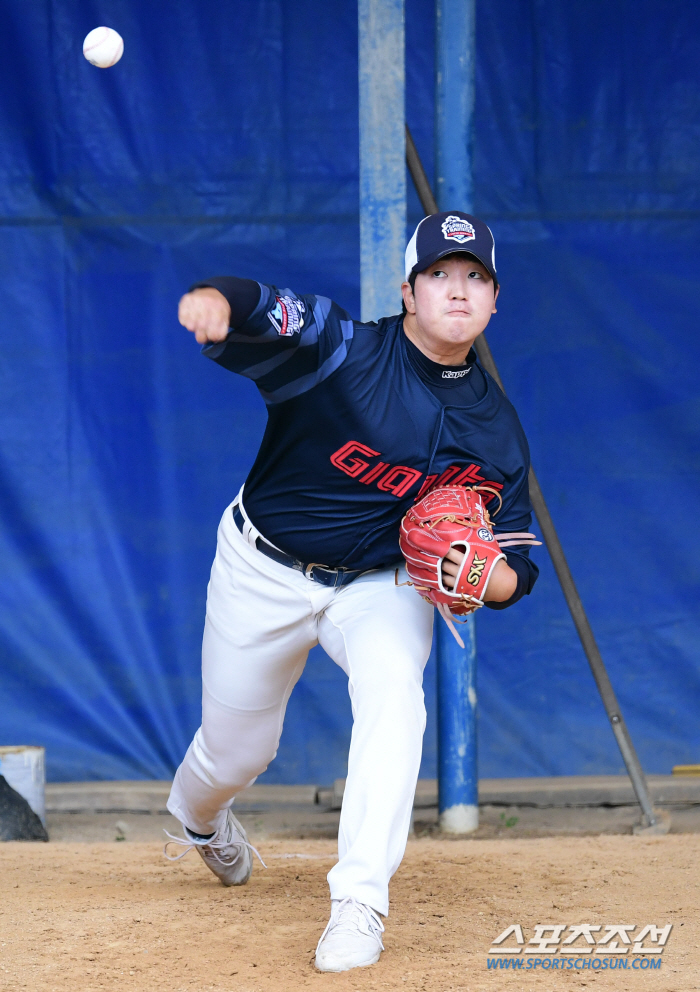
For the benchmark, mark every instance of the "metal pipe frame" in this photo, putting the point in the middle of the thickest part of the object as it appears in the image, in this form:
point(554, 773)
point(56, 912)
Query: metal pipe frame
point(458, 781)
point(381, 77)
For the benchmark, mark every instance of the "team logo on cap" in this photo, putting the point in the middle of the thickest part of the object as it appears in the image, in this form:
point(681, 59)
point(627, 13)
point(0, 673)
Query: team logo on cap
point(286, 316)
point(457, 229)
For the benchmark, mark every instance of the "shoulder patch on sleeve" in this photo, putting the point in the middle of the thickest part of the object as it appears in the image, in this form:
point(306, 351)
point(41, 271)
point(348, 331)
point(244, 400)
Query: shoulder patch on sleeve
point(286, 315)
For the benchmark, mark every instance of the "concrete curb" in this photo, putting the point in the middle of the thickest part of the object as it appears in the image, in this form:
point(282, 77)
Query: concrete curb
point(545, 793)
point(151, 797)
point(562, 791)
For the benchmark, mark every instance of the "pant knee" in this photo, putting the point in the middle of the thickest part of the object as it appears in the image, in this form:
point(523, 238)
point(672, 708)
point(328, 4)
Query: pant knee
point(231, 767)
point(400, 701)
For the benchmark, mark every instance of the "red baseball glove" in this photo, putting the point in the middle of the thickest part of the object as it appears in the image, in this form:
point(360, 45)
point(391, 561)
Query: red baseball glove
point(453, 517)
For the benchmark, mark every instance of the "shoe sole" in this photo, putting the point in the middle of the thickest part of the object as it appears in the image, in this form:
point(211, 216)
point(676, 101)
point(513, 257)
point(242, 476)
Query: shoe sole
point(349, 967)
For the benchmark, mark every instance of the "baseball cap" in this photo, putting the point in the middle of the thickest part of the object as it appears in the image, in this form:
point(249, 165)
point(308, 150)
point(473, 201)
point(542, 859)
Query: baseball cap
point(442, 234)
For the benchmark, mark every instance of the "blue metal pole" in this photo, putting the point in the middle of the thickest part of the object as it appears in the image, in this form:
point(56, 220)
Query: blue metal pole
point(458, 796)
point(454, 103)
point(382, 156)
point(456, 667)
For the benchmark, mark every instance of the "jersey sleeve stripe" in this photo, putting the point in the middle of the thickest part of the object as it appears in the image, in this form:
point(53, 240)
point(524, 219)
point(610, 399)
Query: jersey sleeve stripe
point(301, 385)
point(262, 368)
point(322, 308)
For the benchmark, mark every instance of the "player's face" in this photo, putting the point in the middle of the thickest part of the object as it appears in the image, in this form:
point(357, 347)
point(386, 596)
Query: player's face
point(451, 303)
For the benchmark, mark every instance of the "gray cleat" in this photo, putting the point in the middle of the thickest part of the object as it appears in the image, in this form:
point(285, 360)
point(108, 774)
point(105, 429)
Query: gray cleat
point(228, 853)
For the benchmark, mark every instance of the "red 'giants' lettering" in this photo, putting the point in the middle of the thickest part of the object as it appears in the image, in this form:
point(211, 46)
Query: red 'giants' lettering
point(352, 466)
point(397, 479)
point(352, 459)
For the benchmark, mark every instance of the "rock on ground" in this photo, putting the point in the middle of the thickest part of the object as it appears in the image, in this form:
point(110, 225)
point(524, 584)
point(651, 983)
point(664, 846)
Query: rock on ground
point(18, 821)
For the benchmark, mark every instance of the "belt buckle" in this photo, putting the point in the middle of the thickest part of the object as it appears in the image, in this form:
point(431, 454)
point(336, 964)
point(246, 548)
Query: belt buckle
point(308, 571)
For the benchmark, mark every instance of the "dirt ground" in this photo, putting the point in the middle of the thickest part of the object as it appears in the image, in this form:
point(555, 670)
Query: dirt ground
point(85, 917)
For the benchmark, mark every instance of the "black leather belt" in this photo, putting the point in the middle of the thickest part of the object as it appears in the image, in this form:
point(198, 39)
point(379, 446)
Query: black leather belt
point(312, 570)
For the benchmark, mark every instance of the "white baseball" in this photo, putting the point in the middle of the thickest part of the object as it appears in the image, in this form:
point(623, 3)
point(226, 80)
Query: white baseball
point(103, 47)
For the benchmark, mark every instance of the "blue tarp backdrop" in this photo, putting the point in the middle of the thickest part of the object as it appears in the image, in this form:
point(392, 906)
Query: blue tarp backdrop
point(226, 141)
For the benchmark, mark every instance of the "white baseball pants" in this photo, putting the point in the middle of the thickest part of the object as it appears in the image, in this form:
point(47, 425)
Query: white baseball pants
point(262, 619)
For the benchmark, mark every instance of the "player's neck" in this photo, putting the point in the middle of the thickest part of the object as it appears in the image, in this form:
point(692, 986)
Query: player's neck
point(439, 351)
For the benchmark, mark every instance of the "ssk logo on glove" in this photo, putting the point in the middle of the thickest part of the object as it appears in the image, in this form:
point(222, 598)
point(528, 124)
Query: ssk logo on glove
point(476, 570)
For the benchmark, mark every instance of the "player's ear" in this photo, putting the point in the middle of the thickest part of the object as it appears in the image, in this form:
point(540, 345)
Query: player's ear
point(408, 298)
point(495, 297)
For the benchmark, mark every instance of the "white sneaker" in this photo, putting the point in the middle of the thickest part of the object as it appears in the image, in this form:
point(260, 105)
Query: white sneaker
point(228, 853)
point(352, 938)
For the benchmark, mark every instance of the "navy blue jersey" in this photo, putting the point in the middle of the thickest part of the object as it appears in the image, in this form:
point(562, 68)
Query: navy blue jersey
point(357, 432)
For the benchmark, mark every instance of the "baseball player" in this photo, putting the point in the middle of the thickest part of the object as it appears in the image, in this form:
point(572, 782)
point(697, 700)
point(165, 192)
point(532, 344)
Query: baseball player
point(363, 420)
